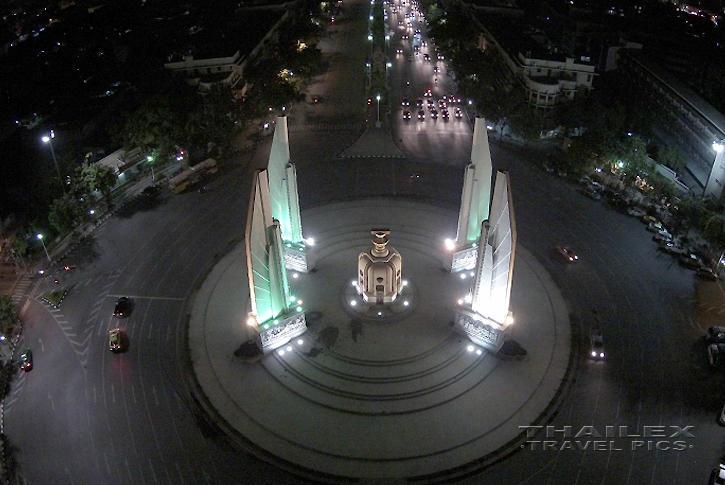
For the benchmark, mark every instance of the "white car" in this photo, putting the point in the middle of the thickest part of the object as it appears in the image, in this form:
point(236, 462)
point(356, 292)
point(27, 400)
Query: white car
point(636, 211)
point(717, 477)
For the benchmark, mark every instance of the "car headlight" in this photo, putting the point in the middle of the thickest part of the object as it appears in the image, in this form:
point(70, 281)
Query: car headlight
point(601, 355)
point(594, 354)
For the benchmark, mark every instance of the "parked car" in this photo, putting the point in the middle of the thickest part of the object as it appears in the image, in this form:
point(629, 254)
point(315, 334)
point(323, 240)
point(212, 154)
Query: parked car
point(26, 360)
point(592, 193)
point(689, 261)
point(706, 273)
point(568, 254)
point(670, 247)
point(662, 236)
point(647, 219)
point(635, 211)
point(715, 353)
point(655, 227)
point(717, 477)
point(596, 342)
point(715, 335)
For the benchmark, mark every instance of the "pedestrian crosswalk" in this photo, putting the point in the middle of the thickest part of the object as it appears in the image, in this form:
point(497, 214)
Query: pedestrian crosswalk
point(324, 127)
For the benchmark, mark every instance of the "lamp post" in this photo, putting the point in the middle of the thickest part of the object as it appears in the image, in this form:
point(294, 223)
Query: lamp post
point(378, 98)
point(49, 140)
point(40, 236)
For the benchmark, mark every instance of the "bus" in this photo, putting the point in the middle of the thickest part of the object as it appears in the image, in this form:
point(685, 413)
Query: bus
point(192, 175)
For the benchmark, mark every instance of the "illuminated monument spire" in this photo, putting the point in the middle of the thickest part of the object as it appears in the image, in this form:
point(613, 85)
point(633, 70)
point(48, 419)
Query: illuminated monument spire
point(475, 200)
point(284, 199)
point(273, 237)
point(489, 249)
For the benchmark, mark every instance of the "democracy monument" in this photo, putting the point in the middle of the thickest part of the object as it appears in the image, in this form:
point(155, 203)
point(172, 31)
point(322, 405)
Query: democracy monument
point(379, 350)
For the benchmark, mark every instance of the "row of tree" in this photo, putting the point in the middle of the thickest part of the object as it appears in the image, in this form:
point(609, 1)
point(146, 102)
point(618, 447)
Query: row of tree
point(167, 113)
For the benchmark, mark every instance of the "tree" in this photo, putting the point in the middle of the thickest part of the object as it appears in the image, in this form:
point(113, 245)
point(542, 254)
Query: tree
point(671, 157)
point(91, 177)
point(65, 212)
point(8, 315)
point(714, 230)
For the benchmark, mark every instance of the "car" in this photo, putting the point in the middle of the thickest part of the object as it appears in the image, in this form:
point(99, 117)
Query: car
point(648, 219)
point(434, 113)
point(419, 103)
point(585, 180)
point(592, 193)
point(706, 273)
point(431, 104)
point(596, 344)
point(635, 211)
point(689, 261)
point(400, 23)
point(424, 44)
point(662, 236)
point(436, 69)
point(399, 50)
point(428, 93)
point(123, 307)
point(459, 113)
point(670, 247)
point(421, 115)
point(441, 57)
point(115, 340)
point(26, 360)
point(416, 48)
point(444, 114)
point(714, 353)
point(568, 254)
point(426, 57)
point(151, 191)
point(404, 36)
point(442, 103)
point(407, 115)
point(654, 227)
point(715, 335)
point(405, 102)
point(717, 477)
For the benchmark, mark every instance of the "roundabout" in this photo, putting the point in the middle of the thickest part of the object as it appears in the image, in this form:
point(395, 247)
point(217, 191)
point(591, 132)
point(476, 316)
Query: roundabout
point(404, 397)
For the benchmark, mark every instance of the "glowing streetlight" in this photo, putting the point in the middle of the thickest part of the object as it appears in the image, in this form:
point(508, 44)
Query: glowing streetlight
point(40, 236)
point(378, 98)
point(49, 140)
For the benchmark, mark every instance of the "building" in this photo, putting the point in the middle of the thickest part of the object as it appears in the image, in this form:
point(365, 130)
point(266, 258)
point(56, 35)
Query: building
point(684, 119)
point(226, 69)
point(547, 76)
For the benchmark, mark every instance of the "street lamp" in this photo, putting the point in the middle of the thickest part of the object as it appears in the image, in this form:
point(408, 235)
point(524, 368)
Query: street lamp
point(40, 236)
point(49, 140)
point(378, 98)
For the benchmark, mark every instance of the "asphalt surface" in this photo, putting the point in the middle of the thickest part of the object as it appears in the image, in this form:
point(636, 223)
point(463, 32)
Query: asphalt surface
point(84, 415)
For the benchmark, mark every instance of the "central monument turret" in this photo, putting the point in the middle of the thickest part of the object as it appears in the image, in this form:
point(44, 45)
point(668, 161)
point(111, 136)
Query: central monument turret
point(379, 270)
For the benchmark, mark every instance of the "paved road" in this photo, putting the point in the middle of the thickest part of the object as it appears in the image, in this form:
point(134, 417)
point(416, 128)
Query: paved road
point(84, 415)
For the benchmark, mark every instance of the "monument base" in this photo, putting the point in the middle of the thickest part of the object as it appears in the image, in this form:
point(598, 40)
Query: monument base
point(465, 259)
point(479, 329)
point(356, 306)
point(278, 334)
point(297, 259)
